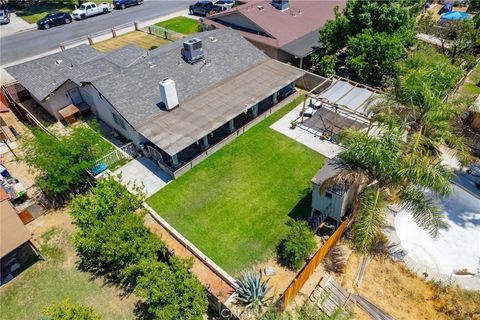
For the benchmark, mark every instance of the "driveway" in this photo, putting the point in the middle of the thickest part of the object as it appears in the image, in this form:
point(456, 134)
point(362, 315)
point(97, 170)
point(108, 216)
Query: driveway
point(142, 171)
point(30, 43)
point(16, 25)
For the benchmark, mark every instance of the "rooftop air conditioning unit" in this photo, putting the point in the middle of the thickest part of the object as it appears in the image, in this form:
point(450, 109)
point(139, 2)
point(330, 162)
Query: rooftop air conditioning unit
point(168, 93)
point(193, 50)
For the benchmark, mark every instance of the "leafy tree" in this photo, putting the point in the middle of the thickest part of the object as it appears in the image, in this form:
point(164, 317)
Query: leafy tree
point(171, 290)
point(426, 76)
point(69, 311)
point(426, 23)
point(476, 20)
point(62, 162)
point(374, 33)
point(372, 55)
point(475, 5)
point(325, 64)
point(392, 175)
point(461, 37)
point(298, 245)
point(114, 241)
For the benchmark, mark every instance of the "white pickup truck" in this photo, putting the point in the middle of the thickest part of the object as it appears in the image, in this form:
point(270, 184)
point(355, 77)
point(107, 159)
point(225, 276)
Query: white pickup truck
point(89, 9)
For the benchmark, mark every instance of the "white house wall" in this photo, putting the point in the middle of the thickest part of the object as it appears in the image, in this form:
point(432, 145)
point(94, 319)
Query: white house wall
point(58, 100)
point(103, 110)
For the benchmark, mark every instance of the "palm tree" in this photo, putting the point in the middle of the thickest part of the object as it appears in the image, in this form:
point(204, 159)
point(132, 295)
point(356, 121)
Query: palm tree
point(429, 122)
point(392, 175)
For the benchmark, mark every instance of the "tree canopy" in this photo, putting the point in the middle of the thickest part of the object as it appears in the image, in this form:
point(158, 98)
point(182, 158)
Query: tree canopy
point(393, 174)
point(62, 161)
point(113, 241)
point(374, 34)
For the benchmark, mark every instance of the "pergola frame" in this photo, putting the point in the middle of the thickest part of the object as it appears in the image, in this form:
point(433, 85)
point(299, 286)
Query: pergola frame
point(337, 106)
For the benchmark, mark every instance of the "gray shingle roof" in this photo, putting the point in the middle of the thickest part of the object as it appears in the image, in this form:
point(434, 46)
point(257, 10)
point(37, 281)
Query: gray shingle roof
point(80, 64)
point(135, 93)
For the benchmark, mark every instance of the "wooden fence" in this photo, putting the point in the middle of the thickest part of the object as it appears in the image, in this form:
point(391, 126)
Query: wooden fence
point(302, 277)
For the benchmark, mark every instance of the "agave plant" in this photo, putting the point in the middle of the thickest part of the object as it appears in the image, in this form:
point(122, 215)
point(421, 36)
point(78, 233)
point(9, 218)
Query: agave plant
point(252, 291)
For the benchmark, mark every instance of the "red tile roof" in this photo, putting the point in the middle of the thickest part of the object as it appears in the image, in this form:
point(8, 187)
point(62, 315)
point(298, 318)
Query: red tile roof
point(282, 27)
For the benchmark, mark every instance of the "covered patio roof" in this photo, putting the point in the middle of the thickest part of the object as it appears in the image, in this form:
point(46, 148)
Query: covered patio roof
point(194, 119)
point(353, 96)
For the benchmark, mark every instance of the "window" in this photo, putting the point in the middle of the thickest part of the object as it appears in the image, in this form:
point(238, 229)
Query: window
point(328, 195)
point(119, 121)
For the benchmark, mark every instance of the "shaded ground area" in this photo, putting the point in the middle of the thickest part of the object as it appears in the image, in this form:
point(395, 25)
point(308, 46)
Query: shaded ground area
point(139, 38)
point(57, 278)
point(234, 205)
point(181, 25)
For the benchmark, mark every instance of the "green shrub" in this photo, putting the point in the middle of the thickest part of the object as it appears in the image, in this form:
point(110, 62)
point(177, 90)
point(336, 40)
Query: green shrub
point(69, 311)
point(297, 246)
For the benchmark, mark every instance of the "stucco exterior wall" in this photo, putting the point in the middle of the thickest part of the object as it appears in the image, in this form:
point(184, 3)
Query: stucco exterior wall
point(103, 110)
point(58, 100)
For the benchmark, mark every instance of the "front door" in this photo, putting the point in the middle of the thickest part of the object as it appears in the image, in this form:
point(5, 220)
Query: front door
point(75, 96)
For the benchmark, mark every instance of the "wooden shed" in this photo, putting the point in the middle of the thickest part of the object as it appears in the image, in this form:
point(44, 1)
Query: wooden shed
point(335, 200)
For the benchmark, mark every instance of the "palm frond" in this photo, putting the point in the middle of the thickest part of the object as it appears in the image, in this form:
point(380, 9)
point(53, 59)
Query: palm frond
point(423, 209)
point(370, 219)
point(421, 172)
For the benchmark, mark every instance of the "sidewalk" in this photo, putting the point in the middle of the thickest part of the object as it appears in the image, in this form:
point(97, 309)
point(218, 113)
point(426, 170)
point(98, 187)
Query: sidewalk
point(105, 36)
point(16, 24)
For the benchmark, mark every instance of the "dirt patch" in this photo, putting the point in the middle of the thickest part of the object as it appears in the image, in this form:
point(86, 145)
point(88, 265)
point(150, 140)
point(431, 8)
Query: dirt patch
point(393, 288)
point(206, 276)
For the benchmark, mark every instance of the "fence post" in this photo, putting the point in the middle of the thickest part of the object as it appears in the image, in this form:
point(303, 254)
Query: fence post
point(135, 24)
point(150, 29)
point(114, 32)
point(90, 41)
point(62, 46)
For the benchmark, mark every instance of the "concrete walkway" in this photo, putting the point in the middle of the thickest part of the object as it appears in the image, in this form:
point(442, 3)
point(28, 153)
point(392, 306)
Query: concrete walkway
point(304, 135)
point(16, 24)
point(143, 171)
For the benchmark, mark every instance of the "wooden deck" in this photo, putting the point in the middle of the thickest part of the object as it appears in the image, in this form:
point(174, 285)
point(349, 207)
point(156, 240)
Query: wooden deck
point(329, 296)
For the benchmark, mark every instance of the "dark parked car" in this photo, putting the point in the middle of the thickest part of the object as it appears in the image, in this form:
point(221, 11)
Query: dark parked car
point(204, 7)
point(122, 4)
point(54, 19)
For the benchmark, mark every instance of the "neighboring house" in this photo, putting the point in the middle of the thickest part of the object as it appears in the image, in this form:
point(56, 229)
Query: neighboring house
point(172, 108)
point(286, 30)
point(331, 200)
point(13, 236)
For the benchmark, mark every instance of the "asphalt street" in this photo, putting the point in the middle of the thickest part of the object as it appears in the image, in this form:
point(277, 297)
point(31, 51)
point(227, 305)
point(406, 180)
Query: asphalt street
point(29, 43)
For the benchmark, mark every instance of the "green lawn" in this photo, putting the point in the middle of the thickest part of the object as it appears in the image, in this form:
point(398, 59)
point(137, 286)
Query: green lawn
point(33, 13)
point(57, 279)
point(234, 205)
point(471, 86)
point(181, 25)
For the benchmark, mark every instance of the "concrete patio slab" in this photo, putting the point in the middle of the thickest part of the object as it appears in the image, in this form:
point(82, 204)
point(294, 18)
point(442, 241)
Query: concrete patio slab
point(142, 171)
point(456, 248)
point(305, 135)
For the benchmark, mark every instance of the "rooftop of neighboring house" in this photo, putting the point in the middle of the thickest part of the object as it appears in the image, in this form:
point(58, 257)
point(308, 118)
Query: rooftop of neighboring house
point(232, 75)
point(294, 29)
point(12, 231)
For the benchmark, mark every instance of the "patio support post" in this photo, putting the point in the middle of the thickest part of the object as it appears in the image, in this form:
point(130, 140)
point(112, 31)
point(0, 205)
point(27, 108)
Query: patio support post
point(301, 63)
point(255, 110)
point(175, 160)
point(275, 98)
point(205, 143)
point(231, 125)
